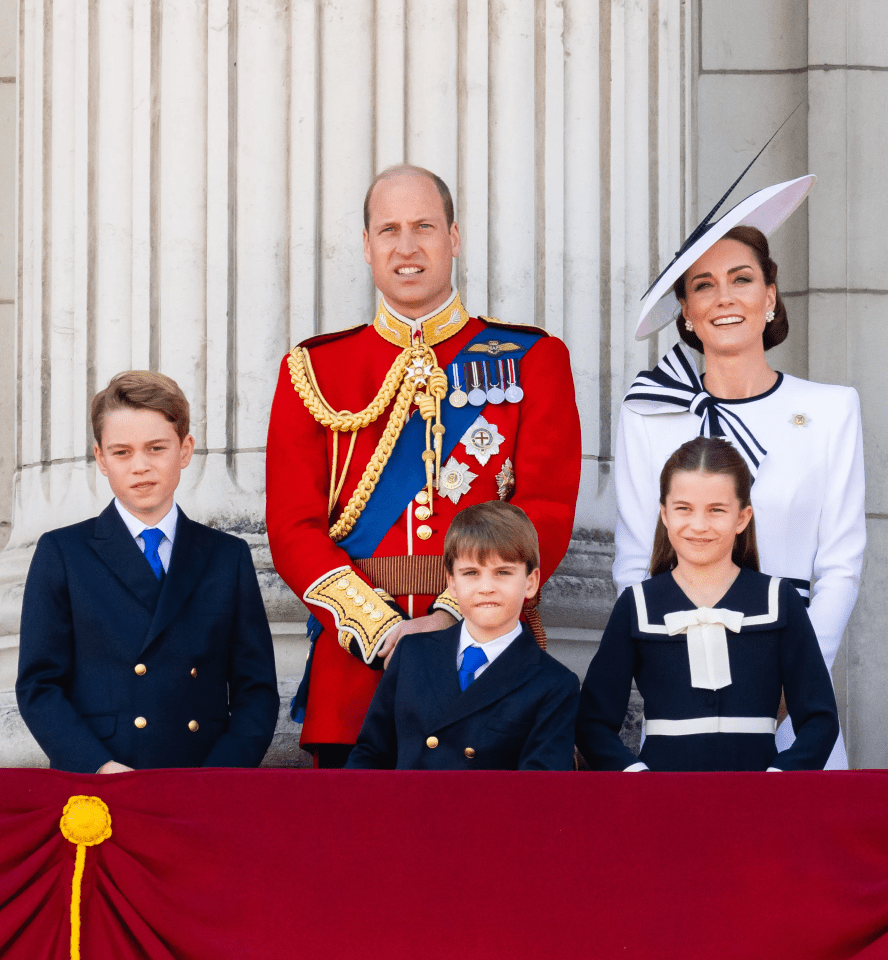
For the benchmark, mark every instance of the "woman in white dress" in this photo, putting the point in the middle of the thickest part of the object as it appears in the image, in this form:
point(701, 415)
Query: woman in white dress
point(802, 440)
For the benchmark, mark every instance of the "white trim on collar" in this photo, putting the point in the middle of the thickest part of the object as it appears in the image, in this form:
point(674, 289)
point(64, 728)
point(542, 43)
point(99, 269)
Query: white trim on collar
point(645, 626)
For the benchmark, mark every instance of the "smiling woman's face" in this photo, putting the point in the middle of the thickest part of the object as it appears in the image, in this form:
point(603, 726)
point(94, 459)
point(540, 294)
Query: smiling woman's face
point(726, 299)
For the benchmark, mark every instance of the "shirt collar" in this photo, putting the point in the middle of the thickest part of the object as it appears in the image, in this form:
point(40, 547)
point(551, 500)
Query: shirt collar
point(493, 648)
point(136, 526)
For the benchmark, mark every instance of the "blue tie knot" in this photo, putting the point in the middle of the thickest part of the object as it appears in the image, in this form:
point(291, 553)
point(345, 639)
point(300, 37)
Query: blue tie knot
point(152, 540)
point(472, 659)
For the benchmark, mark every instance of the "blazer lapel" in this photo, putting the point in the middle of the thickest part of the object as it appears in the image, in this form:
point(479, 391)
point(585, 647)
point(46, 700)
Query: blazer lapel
point(187, 563)
point(117, 548)
point(440, 659)
point(510, 670)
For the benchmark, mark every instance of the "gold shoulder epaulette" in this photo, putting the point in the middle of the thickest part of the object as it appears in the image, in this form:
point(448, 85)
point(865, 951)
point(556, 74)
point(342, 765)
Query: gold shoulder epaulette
point(504, 325)
point(320, 338)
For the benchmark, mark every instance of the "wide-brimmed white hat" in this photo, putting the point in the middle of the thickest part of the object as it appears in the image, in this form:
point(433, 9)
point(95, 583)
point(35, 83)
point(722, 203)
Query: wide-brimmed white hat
point(766, 209)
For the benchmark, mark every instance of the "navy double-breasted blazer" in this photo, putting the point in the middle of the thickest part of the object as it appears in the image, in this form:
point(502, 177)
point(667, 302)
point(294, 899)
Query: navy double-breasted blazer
point(115, 665)
point(518, 715)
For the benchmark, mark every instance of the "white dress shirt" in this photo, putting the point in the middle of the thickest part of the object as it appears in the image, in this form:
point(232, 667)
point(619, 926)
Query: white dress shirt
point(492, 649)
point(167, 525)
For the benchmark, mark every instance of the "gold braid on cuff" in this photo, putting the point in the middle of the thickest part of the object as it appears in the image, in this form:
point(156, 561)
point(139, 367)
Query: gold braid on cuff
point(445, 601)
point(362, 617)
point(414, 376)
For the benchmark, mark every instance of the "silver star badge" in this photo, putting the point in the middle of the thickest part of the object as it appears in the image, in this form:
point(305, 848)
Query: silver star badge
point(419, 371)
point(482, 440)
point(455, 480)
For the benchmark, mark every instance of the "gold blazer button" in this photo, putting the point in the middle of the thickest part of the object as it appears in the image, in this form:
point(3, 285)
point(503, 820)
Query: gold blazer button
point(423, 513)
point(140, 722)
point(141, 669)
point(424, 532)
point(193, 726)
point(432, 742)
point(194, 671)
point(422, 497)
point(470, 753)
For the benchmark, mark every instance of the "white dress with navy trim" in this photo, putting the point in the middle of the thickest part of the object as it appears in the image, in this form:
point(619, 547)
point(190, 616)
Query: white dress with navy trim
point(808, 496)
point(695, 728)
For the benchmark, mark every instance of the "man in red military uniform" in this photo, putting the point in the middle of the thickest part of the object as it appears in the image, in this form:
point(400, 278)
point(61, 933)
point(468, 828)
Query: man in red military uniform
point(380, 433)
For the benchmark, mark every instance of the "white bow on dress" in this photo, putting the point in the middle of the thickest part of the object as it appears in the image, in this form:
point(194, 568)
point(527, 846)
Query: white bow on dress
point(707, 643)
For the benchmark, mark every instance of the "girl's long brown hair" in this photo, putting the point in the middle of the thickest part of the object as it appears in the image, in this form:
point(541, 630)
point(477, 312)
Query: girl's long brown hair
point(706, 455)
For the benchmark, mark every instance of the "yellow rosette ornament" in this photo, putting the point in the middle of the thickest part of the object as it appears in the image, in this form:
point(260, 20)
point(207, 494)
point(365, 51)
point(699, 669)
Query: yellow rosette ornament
point(85, 821)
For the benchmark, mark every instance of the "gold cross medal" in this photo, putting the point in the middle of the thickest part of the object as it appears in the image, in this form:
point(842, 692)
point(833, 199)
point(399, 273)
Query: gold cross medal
point(458, 397)
point(455, 480)
point(482, 440)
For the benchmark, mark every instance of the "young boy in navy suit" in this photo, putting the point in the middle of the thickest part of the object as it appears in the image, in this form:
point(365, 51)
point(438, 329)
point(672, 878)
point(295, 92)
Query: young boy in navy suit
point(144, 640)
point(480, 695)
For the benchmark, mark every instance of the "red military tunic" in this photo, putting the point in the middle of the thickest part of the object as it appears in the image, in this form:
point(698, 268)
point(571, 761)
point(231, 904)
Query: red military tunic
point(541, 439)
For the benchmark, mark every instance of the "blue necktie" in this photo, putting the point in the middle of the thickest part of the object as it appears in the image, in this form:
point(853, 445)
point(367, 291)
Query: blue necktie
point(472, 659)
point(152, 540)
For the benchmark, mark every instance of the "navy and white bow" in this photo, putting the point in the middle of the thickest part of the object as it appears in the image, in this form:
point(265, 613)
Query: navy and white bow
point(674, 385)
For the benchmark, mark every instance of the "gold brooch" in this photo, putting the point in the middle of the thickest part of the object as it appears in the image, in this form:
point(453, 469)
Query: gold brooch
point(505, 480)
point(800, 420)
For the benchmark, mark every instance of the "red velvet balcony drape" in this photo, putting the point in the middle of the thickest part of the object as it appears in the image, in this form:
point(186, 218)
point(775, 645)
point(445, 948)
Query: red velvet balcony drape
point(328, 864)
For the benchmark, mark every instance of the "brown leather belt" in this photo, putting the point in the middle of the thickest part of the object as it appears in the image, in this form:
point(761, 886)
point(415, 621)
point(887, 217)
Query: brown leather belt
point(401, 576)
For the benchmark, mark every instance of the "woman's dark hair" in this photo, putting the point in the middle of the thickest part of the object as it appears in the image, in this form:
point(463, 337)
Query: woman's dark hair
point(777, 330)
point(706, 455)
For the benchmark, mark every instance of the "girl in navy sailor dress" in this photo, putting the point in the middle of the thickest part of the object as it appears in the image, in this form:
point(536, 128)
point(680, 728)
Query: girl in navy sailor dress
point(710, 641)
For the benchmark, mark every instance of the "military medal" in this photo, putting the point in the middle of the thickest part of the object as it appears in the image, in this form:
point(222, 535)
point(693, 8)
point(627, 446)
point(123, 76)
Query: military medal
point(482, 440)
point(477, 396)
point(455, 480)
point(514, 393)
point(458, 396)
point(505, 480)
point(495, 392)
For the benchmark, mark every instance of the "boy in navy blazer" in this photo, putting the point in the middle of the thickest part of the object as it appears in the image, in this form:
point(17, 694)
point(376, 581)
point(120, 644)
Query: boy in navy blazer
point(144, 639)
point(480, 695)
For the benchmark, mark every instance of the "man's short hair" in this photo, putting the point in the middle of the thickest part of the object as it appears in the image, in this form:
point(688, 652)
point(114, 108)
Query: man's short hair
point(492, 528)
point(141, 390)
point(400, 169)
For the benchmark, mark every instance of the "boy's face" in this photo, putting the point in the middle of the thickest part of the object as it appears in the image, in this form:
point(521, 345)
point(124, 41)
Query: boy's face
point(490, 594)
point(142, 458)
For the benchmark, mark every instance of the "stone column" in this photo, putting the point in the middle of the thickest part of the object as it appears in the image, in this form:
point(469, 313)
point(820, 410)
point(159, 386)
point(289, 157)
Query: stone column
point(848, 312)
point(192, 176)
point(9, 285)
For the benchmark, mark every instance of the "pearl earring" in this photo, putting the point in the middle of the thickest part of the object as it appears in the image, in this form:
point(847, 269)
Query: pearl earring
point(689, 326)
point(769, 316)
